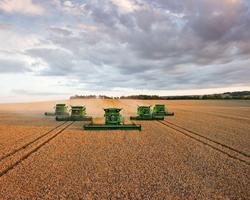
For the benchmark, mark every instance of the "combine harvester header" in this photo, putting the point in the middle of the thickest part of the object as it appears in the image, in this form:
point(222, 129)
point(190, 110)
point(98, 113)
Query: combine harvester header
point(60, 110)
point(113, 121)
point(113, 118)
point(145, 113)
point(160, 110)
point(78, 113)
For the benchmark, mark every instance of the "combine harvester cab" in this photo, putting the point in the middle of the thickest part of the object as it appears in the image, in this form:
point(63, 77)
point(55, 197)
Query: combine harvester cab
point(145, 113)
point(160, 110)
point(113, 121)
point(60, 110)
point(78, 113)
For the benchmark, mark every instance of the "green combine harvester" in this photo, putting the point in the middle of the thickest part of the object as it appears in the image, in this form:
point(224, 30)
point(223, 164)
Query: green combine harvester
point(160, 110)
point(78, 113)
point(145, 113)
point(113, 121)
point(60, 110)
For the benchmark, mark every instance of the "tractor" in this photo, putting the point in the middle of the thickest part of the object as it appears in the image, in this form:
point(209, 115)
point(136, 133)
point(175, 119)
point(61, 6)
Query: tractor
point(160, 110)
point(113, 121)
point(60, 110)
point(78, 113)
point(145, 113)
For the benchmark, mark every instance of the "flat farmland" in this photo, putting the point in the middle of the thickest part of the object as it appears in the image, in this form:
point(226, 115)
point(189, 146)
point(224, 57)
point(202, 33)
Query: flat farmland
point(203, 152)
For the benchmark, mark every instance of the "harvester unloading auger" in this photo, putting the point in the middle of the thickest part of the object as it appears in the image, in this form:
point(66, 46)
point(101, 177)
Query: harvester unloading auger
point(160, 110)
point(78, 113)
point(113, 121)
point(60, 110)
point(145, 113)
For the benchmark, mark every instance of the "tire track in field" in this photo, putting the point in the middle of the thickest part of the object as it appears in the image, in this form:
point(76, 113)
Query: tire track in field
point(14, 158)
point(224, 149)
point(221, 115)
point(241, 156)
point(29, 143)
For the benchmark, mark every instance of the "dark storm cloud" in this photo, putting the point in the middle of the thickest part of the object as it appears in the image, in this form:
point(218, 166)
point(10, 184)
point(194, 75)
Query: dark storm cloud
point(158, 44)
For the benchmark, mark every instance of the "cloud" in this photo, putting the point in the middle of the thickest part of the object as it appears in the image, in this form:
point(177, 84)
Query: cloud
point(126, 5)
point(4, 26)
point(16, 42)
point(13, 66)
point(155, 45)
point(60, 31)
point(59, 61)
point(87, 28)
point(72, 8)
point(150, 47)
point(37, 93)
point(25, 7)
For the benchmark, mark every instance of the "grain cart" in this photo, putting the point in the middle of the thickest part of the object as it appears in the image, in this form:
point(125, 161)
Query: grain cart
point(113, 121)
point(145, 113)
point(78, 113)
point(160, 110)
point(60, 109)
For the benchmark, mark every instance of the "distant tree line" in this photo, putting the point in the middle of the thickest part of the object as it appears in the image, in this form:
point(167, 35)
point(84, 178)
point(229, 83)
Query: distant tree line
point(245, 95)
point(153, 97)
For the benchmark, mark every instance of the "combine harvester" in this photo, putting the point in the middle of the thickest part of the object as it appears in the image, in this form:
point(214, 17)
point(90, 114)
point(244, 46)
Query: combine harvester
point(60, 110)
point(78, 113)
point(145, 113)
point(160, 110)
point(113, 121)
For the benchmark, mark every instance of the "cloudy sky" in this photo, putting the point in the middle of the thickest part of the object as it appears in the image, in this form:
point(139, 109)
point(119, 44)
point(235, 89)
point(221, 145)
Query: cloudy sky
point(55, 48)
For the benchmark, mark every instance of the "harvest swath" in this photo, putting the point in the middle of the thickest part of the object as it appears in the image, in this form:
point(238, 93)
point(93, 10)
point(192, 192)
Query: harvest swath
point(202, 152)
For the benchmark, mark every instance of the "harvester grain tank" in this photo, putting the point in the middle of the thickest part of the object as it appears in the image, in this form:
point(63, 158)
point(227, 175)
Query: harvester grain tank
point(60, 110)
point(145, 113)
point(78, 113)
point(113, 121)
point(160, 110)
